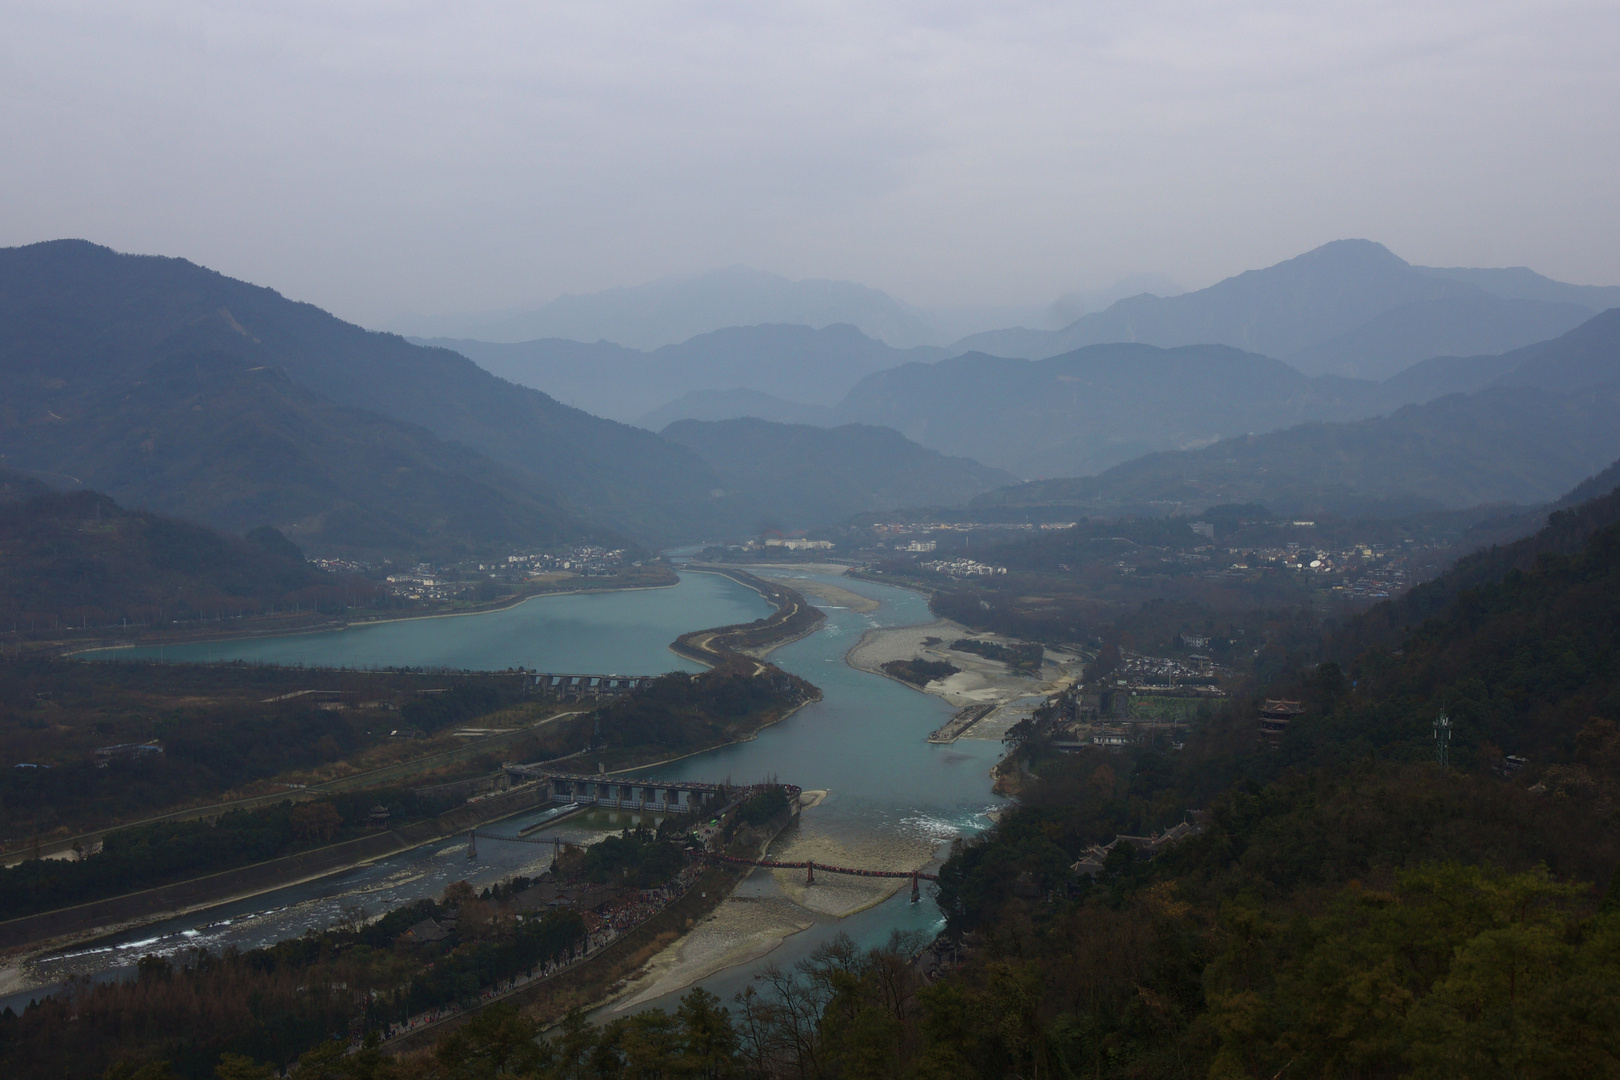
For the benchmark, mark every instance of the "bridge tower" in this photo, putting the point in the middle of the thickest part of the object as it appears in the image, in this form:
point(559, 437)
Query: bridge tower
point(472, 843)
point(809, 873)
point(916, 895)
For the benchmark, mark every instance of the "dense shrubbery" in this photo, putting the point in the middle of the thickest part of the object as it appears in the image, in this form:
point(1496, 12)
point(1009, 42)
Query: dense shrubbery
point(462, 700)
point(920, 672)
point(1023, 658)
point(761, 808)
point(637, 859)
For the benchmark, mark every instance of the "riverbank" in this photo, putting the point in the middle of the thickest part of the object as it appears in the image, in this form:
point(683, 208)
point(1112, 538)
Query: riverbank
point(248, 633)
point(737, 929)
point(625, 962)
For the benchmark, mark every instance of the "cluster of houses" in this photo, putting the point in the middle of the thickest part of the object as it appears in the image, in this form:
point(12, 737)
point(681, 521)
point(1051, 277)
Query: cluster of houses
point(961, 568)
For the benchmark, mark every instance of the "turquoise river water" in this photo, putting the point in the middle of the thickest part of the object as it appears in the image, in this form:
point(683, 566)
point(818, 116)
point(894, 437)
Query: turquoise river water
point(892, 798)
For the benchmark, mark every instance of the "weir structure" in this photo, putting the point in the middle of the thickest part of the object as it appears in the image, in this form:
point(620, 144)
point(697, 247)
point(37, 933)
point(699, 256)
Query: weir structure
point(622, 793)
point(585, 687)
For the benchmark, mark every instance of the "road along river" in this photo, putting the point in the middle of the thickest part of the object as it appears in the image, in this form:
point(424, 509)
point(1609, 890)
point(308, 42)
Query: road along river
point(893, 801)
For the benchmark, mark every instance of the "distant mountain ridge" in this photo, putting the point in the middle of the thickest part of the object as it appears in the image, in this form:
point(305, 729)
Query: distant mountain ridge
point(1086, 410)
point(673, 309)
point(1330, 310)
point(1533, 433)
point(802, 364)
point(1349, 310)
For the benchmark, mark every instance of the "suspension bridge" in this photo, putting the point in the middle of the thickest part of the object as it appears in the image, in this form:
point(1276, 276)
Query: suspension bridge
point(810, 869)
point(599, 790)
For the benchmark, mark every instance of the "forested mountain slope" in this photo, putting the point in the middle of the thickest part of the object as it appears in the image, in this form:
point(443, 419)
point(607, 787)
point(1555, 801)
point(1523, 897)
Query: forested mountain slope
point(73, 557)
point(77, 320)
point(1098, 406)
point(1500, 445)
point(1350, 906)
point(203, 437)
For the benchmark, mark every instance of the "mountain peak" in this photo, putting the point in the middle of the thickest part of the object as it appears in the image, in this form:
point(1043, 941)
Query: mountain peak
point(1348, 252)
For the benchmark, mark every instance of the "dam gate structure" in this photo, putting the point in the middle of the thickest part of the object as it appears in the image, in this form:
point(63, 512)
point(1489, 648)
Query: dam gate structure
point(622, 793)
point(585, 687)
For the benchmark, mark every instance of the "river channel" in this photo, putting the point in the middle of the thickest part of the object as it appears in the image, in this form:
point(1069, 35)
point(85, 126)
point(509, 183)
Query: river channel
point(893, 799)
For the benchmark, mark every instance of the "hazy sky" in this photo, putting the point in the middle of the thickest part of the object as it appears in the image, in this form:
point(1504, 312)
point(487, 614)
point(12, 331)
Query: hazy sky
point(382, 157)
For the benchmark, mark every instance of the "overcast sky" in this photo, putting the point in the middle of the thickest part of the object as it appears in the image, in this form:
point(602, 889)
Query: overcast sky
point(377, 158)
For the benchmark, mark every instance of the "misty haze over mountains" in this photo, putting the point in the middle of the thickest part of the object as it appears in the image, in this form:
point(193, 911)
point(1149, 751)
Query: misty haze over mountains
point(175, 388)
point(1362, 332)
point(673, 309)
point(1348, 309)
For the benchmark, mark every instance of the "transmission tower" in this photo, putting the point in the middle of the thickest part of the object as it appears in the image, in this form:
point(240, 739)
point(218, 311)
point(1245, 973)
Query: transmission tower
point(1442, 737)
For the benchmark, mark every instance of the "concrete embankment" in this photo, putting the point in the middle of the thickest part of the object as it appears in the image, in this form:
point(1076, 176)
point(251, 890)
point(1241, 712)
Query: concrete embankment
point(149, 905)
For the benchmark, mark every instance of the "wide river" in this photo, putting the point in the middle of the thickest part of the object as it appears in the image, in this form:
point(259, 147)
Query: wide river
point(894, 800)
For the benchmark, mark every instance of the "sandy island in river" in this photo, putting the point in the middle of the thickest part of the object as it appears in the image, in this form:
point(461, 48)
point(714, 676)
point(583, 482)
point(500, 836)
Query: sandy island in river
point(979, 681)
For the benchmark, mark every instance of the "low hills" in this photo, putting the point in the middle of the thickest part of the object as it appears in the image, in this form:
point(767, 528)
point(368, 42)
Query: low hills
point(1472, 325)
point(800, 476)
point(1543, 426)
point(1098, 406)
point(1496, 446)
point(68, 558)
